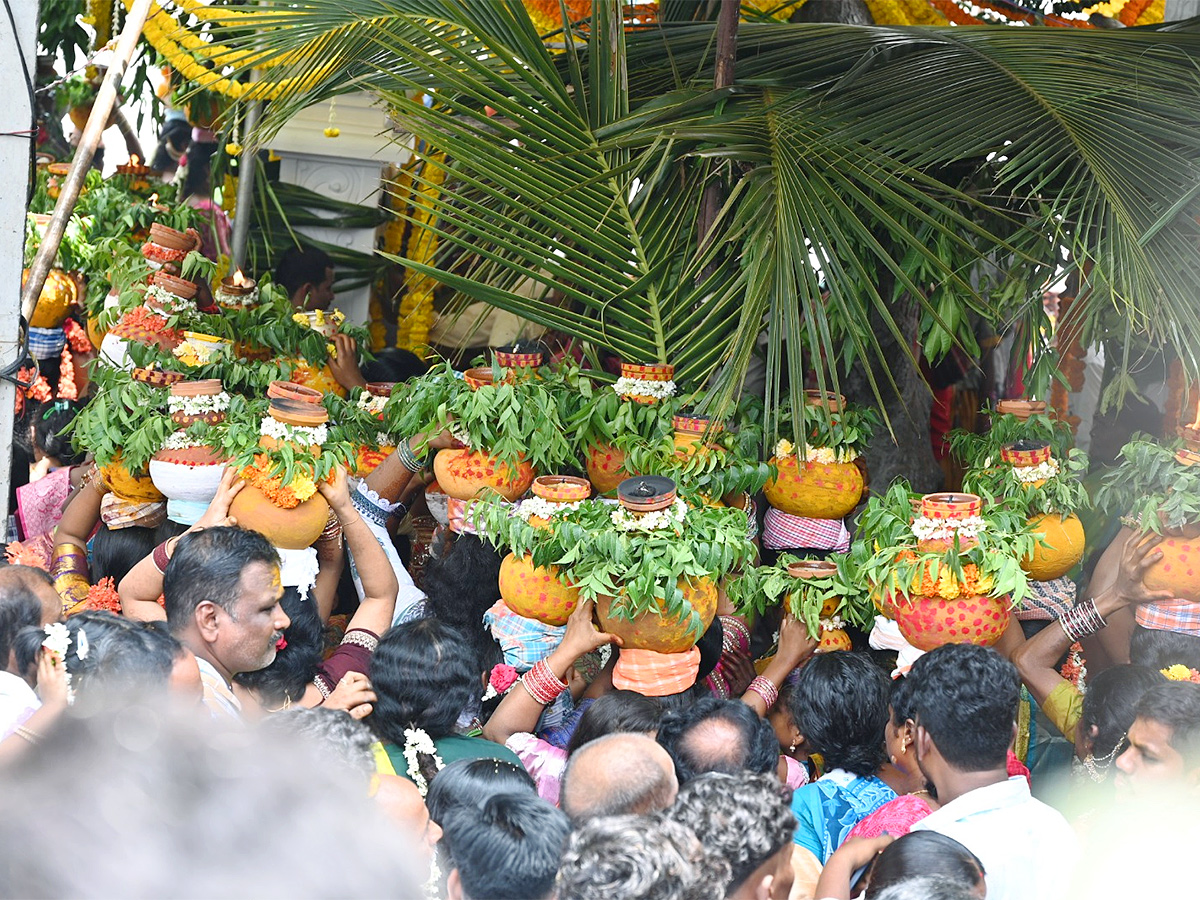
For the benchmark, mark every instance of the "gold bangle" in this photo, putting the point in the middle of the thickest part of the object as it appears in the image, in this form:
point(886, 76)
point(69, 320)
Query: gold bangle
point(28, 734)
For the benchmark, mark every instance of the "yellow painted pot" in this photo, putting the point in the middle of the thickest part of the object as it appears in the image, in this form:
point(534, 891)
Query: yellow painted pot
point(137, 488)
point(929, 622)
point(606, 468)
point(1066, 545)
point(59, 294)
point(814, 490)
point(464, 474)
point(653, 630)
point(535, 591)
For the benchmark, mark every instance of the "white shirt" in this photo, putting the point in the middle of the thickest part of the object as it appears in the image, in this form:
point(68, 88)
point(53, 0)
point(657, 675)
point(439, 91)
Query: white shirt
point(1028, 850)
point(17, 703)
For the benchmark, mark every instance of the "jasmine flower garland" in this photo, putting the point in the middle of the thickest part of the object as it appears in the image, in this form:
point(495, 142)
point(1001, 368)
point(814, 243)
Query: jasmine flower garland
point(544, 509)
point(1041, 472)
point(178, 440)
point(670, 518)
point(58, 641)
point(944, 529)
point(300, 434)
point(640, 387)
point(173, 304)
point(194, 406)
point(417, 741)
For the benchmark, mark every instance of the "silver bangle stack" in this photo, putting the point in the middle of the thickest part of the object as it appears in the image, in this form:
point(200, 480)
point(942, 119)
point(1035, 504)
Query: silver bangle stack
point(1082, 620)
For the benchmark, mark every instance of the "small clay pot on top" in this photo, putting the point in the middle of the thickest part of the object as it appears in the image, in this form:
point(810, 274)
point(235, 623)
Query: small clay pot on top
point(646, 493)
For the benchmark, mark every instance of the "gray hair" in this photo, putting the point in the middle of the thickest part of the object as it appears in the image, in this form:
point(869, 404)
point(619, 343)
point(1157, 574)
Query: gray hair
point(202, 808)
point(926, 889)
point(745, 819)
point(639, 858)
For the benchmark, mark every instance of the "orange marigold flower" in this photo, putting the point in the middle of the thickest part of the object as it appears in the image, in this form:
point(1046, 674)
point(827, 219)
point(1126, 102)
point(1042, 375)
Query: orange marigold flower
point(103, 597)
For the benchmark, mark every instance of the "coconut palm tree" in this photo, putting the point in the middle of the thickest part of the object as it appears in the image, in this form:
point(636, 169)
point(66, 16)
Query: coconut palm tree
point(883, 187)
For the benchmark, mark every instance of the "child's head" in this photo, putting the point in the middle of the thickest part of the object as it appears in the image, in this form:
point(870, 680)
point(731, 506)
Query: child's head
point(49, 424)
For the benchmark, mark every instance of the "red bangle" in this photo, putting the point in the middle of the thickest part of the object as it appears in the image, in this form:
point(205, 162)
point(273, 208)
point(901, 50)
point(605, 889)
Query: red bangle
point(762, 686)
point(160, 558)
point(542, 684)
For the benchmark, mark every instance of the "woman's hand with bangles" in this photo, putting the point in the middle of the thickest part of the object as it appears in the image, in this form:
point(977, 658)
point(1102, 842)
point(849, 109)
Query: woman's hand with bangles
point(217, 513)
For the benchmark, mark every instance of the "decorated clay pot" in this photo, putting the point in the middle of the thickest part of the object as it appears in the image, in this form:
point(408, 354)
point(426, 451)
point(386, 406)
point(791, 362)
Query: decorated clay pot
point(464, 473)
point(1179, 569)
point(193, 473)
point(929, 622)
point(139, 488)
point(59, 293)
point(833, 639)
point(690, 431)
point(561, 488)
point(644, 372)
point(236, 291)
point(535, 591)
point(156, 377)
point(171, 238)
point(606, 467)
point(1066, 545)
point(1026, 453)
point(656, 630)
point(367, 459)
point(816, 568)
point(207, 387)
point(814, 490)
point(291, 529)
point(509, 360)
point(478, 377)
point(949, 507)
point(289, 390)
point(1022, 409)
point(180, 287)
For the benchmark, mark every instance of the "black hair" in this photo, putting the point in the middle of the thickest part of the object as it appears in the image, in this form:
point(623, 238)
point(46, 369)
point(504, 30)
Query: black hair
point(468, 783)
point(1156, 649)
point(117, 550)
point(300, 266)
point(711, 645)
point(296, 664)
point(744, 819)
point(900, 701)
point(424, 675)
point(965, 697)
point(122, 656)
point(1176, 704)
point(677, 703)
point(19, 608)
point(697, 740)
point(197, 177)
point(208, 565)
point(613, 713)
point(839, 703)
point(924, 853)
point(1111, 704)
point(510, 848)
point(394, 364)
point(49, 423)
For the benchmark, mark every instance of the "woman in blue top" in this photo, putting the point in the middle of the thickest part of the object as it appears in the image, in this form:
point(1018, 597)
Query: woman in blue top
point(840, 706)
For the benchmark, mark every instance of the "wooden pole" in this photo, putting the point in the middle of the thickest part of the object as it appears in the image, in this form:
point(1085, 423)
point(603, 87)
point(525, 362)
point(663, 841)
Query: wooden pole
point(247, 169)
point(88, 142)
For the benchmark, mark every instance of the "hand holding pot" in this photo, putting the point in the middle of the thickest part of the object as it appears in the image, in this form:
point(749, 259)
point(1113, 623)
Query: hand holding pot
point(217, 513)
point(1138, 555)
point(582, 636)
point(795, 643)
point(343, 362)
point(336, 491)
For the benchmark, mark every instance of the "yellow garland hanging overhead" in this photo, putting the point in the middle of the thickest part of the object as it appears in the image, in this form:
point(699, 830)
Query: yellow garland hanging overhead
point(417, 186)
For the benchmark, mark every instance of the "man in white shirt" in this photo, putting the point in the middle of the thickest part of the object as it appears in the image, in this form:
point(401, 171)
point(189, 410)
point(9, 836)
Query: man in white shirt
point(965, 699)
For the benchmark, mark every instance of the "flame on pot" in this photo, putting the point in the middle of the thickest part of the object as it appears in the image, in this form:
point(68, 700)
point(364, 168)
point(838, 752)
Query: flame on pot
point(238, 278)
point(134, 159)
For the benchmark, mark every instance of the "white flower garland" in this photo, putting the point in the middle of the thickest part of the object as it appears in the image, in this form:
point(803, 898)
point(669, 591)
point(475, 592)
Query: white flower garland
point(944, 529)
point(417, 740)
point(640, 387)
point(58, 641)
point(369, 403)
point(659, 520)
point(178, 440)
point(171, 303)
point(833, 623)
point(823, 455)
point(195, 406)
point(543, 509)
point(300, 434)
point(384, 440)
point(225, 299)
point(459, 433)
point(1041, 472)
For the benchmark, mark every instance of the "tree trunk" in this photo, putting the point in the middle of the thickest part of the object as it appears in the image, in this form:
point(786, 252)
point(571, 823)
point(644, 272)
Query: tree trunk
point(848, 12)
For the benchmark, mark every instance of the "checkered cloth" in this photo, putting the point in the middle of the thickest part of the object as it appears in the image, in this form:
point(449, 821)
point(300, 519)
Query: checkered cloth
point(786, 532)
point(1170, 615)
point(654, 674)
point(524, 641)
point(1047, 600)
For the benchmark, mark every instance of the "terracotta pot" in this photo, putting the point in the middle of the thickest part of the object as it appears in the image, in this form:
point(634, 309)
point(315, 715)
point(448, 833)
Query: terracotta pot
point(1020, 459)
point(1179, 569)
point(827, 399)
point(646, 373)
point(690, 430)
point(535, 591)
point(929, 622)
point(192, 474)
point(832, 640)
point(1022, 409)
point(171, 238)
point(464, 474)
point(814, 490)
point(233, 289)
point(509, 360)
point(289, 390)
point(816, 568)
point(203, 387)
point(290, 412)
point(139, 489)
point(1067, 543)
point(646, 493)
point(949, 505)
point(381, 388)
point(478, 377)
point(655, 630)
point(180, 287)
point(291, 529)
point(606, 467)
point(157, 377)
point(561, 488)
point(59, 293)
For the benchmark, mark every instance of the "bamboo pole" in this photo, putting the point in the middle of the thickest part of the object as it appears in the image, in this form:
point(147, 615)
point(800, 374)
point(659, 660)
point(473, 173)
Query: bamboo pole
point(88, 142)
point(247, 169)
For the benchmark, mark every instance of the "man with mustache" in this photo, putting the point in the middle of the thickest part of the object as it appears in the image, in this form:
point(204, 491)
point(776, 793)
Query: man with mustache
point(222, 592)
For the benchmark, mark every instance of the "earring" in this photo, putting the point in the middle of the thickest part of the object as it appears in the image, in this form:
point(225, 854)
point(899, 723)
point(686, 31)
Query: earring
point(893, 759)
point(792, 749)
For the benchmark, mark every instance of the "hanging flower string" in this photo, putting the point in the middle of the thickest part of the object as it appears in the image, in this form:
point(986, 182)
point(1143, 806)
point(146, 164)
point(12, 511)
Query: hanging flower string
point(416, 742)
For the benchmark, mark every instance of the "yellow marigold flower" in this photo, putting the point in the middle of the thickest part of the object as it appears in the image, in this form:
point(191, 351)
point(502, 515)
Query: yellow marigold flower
point(302, 486)
point(319, 316)
point(331, 350)
point(300, 318)
point(233, 148)
point(332, 132)
point(1177, 672)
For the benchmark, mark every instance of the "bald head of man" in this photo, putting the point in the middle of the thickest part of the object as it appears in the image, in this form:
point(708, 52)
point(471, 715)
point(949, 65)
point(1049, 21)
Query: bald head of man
point(616, 775)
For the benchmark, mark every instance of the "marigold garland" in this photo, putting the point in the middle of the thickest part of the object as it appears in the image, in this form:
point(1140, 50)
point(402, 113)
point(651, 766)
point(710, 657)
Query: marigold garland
point(938, 580)
point(285, 496)
point(103, 597)
point(418, 186)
